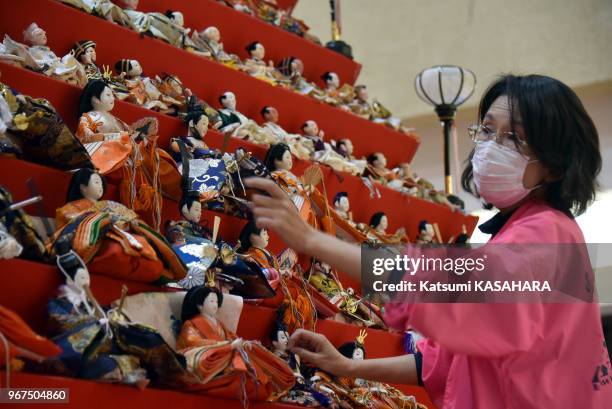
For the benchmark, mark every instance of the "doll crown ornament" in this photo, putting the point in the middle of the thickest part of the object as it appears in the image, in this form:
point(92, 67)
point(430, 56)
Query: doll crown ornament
point(210, 279)
point(361, 337)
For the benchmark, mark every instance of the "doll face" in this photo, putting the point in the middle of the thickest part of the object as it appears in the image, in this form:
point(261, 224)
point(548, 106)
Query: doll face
point(362, 94)
point(333, 81)
point(348, 146)
point(286, 163)
point(201, 126)
point(175, 85)
point(89, 56)
point(94, 189)
point(271, 115)
point(136, 69)
point(131, 4)
point(229, 101)
point(212, 34)
point(194, 213)
point(81, 278)
point(106, 101)
point(383, 224)
point(36, 35)
point(210, 306)
point(381, 161)
point(259, 52)
point(428, 231)
point(178, 19)
point(343, 204)
point(282, 340)
point(297, 66)
point(358, 354)
point(260, 240)
point(311, 128)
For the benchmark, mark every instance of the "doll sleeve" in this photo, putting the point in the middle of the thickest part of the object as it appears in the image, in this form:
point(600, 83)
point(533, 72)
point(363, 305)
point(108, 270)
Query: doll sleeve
point(87, 131)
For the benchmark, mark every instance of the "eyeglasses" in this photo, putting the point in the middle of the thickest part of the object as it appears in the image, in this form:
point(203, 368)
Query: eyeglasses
point(482, 133)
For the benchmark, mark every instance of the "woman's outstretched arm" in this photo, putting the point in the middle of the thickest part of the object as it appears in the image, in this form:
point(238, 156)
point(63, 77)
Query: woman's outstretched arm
point(278, 213)
point(315, 349)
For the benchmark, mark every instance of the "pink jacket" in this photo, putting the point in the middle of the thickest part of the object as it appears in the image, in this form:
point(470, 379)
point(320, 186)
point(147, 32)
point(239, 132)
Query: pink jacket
point(514, 355)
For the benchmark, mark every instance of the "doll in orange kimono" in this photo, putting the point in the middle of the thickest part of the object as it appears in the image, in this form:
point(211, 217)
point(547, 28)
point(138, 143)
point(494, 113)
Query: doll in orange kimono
point(378, 228)
point(279, 162)
point(128, 154)
point(110, 238)
point(291, 292)
point(227, 366)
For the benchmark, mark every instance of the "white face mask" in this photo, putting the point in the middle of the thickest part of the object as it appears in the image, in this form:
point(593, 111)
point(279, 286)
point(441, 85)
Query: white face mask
point(498, 174)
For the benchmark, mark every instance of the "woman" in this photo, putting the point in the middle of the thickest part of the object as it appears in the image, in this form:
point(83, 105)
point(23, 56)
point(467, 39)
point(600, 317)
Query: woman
point(536, 159)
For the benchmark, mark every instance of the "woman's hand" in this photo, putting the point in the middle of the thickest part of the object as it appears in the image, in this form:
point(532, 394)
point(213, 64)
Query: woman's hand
point(278, 213)
point(316, 350)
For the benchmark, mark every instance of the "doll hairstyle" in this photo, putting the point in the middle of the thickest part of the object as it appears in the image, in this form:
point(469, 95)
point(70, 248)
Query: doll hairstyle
point(251, 47)
point(123, 65)
point(376, 218)
point(277, 326)
point(245, 235)
point(347, 349)
point(457, 201)
point(194, 298)
point(223, 96)
point(189, 198)
point(328, 76)
point(265, 110)
point(372, 157)
point(81, 178)
point(339, 196)
point(422, 225)
point(94, 88)
point(360, 87)
point(28, 33)
point(195, 111)
point(275, 153)
point(80, 47)
point(169, 13)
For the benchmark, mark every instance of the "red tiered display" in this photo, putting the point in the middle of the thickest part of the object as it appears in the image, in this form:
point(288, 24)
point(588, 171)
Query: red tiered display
point(28, 285)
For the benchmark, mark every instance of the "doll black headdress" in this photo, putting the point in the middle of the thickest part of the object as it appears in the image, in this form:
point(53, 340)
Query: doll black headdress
point(80, 47)
point(94, 88)
point(275, 153)
point(195, 298)
point(347, 349)
point(376, 218)
point(339, 196)
point(81, 178)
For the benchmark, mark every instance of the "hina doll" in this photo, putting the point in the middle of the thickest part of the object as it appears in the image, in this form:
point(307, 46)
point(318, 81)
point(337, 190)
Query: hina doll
point(197, 127)
point(278, 160)
point(85, 52)
point(293, 70)
point(297, 144)
point(378, 227)
point(82, 330)
point(115, 147)
point(225, 365)
point(110, 237)
point(171, 25)
point(37, 56)
point(102, 8)
point(345, 148)
point(256, 66)
point(405, 181)
point(291, 293)
point(374, 112)
point(301, 393)
point(377, 169)
point(143, 90)
point(368, 394)
point(323, 152)
point(238, 125)
point(173, 93)
point(427, 234)
point(335, 94)
point(209, 40)
point(342, 206)
point(142, 22)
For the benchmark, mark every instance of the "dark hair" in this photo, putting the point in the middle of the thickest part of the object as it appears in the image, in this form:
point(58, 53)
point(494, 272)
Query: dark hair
point(327, 76)
point(168, 13)
point(348, 348)
point(275, 152)
point(94, 88)
point(123, 66)
point(189, 198)
point(245, 235)
point(456, 200)
point(222, 97)
point(264, 110)
point(81, 178)
point(252, 46)
point(372, 157)
point(422, 225)
point(339, 196)
point(277, 326)
point(194, 298)
point(558, 130)
point(376, 218)
point(358, 87)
